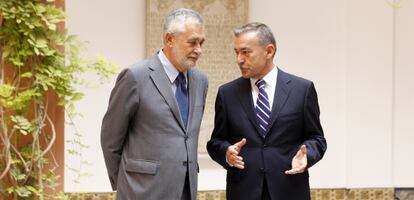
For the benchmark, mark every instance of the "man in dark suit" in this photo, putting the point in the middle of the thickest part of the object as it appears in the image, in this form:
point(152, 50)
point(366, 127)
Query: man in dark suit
point(149, 133)
point(267, 131)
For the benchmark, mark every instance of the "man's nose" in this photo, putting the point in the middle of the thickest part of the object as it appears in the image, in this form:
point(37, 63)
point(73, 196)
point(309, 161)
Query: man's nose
point(198, 49)
point(240, 58)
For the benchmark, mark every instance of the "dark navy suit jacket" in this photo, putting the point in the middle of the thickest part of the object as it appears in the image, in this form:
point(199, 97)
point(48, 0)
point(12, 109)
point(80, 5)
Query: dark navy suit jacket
point(294, 121)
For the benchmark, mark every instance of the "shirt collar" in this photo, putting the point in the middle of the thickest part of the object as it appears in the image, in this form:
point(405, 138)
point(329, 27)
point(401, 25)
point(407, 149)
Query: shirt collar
point(169, 68)
point(270, 78)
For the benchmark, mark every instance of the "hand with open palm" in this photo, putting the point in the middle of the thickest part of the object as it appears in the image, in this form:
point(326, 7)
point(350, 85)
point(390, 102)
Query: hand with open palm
point(299, 162)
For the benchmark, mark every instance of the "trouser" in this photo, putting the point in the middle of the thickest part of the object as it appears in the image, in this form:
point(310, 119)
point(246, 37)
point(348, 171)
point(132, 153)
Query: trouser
point(265, 193)
point(186, 189)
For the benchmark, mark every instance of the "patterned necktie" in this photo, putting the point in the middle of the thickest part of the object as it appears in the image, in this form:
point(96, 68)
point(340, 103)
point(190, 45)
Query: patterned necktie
point(181, 95)
point(262, 107)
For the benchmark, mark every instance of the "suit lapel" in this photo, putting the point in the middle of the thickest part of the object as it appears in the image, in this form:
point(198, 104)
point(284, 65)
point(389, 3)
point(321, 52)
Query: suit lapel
point(245, 96)
point(161, 81)
point(192, 87)
point(280, 97)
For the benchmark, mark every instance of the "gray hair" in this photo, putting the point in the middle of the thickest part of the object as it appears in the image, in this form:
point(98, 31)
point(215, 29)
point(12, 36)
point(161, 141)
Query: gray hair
point(175, 20)
point(264, 33)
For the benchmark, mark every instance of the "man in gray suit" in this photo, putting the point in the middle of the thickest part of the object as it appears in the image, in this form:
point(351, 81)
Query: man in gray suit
point(149, 133)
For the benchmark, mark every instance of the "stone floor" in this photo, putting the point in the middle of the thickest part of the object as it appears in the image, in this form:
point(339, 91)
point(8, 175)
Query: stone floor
point(317, 194)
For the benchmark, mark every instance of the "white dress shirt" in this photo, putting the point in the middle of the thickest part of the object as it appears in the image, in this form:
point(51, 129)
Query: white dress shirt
point(170, 70)
point(270, 87)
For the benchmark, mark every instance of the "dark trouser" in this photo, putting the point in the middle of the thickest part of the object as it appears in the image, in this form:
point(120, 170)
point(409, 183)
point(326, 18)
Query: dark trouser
point(265, 194)
point(186, 190)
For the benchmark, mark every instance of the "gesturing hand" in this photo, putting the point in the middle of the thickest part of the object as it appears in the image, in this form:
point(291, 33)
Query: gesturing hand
point(232, 154)
point(299, 162)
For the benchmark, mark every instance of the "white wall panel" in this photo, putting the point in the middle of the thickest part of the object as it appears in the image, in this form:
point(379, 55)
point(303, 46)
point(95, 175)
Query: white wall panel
point(404, 97)
point(113, 29)
point(369, 94)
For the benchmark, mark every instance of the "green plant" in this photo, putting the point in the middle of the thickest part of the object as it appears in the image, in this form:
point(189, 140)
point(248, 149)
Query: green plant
point(38, 60)
point(395, 3)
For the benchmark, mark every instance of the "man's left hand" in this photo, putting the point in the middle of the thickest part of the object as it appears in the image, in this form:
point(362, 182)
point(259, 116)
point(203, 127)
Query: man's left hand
point(299, 162)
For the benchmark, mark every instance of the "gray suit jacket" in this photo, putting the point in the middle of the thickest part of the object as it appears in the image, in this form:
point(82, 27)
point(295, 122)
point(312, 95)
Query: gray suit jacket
point(145, 144)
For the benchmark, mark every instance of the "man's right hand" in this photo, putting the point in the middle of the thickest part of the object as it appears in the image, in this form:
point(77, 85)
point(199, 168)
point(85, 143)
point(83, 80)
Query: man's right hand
point(232, 154)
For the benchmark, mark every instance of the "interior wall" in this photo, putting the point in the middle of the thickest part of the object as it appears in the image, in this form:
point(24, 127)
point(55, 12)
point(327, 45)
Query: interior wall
point(356, 52)
point(369, 94)
point(115, 30)
point(403, 107)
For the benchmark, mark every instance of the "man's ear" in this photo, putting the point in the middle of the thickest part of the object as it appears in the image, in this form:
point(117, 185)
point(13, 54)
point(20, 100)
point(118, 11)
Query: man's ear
point(270, 51)
point(169, 39)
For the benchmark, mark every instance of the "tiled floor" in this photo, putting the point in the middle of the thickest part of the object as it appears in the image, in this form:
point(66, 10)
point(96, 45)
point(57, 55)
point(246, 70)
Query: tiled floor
point(353, 194)
point(317, 194)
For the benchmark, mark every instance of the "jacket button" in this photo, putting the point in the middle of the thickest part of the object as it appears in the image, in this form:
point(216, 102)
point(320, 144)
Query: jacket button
point(186, 138)
point(265, 145)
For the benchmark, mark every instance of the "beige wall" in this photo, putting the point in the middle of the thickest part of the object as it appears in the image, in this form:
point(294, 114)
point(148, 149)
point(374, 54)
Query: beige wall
point(114, 29)
point(356, 52)
point(403, 97)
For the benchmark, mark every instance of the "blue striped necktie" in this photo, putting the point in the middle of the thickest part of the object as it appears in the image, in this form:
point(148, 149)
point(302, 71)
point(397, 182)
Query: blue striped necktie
point(262, 107)
point(181, 95)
